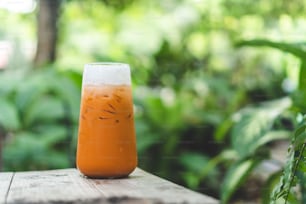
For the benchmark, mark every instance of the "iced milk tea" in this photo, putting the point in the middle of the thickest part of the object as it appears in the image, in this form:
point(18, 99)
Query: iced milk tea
point(106, 139)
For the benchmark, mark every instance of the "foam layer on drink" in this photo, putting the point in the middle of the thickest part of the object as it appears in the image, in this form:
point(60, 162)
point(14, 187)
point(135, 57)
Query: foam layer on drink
point(106, 74)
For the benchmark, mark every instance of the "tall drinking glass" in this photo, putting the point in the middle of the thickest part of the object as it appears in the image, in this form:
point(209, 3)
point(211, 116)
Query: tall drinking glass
point(106, 139)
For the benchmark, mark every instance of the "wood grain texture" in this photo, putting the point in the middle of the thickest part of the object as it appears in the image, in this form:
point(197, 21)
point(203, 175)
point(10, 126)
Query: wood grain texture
point(145, 186)
point(55, 186)
point(5, 180)
point(69, 186)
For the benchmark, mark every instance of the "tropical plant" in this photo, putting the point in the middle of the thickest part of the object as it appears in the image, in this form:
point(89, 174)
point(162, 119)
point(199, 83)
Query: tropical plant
point(39, 113)
point(255, 127)
point(188, 83)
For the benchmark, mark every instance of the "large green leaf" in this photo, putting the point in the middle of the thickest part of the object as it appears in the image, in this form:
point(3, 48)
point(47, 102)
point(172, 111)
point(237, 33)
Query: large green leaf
point(235, 176)
point(302, 76)
point(253, 124)
point(162, 115)
point(301, 175)
point(145, 137)
point(223, 129)
point(44, 109)
point(194, 161)
point(75, 77)
point(70, 93)
point(28, 150)
point(9, 80)
point(299, 96)
point(9, 119)
point(25, 150)
point(268, 187)
point(294, 169)
point(297, 49)
point(269, 137)
point(57, 160)
point(51, 134)
point(29, 90)
point(194, 164)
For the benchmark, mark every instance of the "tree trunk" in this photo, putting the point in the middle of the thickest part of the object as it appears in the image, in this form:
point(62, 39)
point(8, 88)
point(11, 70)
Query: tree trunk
point(47, 31)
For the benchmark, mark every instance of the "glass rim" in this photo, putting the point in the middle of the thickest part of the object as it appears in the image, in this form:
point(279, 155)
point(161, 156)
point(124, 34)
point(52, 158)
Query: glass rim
point(106, 64)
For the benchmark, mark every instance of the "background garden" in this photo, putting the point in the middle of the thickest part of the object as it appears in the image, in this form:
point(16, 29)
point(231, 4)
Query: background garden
point(219, 87)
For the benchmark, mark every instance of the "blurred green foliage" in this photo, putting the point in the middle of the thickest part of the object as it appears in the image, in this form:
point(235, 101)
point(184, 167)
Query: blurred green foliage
point(192, 87)
point(39, 112)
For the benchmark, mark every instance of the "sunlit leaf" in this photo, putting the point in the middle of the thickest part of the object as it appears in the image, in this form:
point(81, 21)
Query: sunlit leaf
point(167, 117)
point(271, 136)
point(293, 48)
point(236, 176)
point(251, 130)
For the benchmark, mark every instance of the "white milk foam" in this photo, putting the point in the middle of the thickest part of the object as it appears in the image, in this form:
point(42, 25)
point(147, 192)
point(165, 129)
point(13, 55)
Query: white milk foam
point(106, 74)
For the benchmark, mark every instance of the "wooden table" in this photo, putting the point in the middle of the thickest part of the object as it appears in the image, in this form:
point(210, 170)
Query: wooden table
point(69, 186)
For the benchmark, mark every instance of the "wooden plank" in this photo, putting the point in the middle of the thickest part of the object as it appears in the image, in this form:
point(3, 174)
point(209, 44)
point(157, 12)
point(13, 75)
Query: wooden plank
point(147, 187)
point(5, 181)
point(68, 186)
point(54, 186)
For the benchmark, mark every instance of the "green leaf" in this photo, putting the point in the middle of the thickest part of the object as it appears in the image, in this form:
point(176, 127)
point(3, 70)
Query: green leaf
point(299, 98)
point(268, 187)
point(25, 150)
point(235, 176)
point(9, 80)
point(251, 130)
point(57, 160)
point(292, 199)
point(199, 167)
point(295, 165)
point(29, 150)
point(283, 187)
point(29, 90)
point(222, 130)
point(191, 179)
point(302, 76)
point(302, 87)
point(293, 48)
point(44, 109)
point(51, 134)
point(70, 94)
point(302, 181)
point(74, 76)
point(271, 136)
point(145, 137)
point(155, 109)
point(9, 119)
point(194, 161)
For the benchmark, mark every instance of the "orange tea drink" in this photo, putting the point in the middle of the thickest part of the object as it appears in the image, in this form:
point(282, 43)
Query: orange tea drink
point(106, 139)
